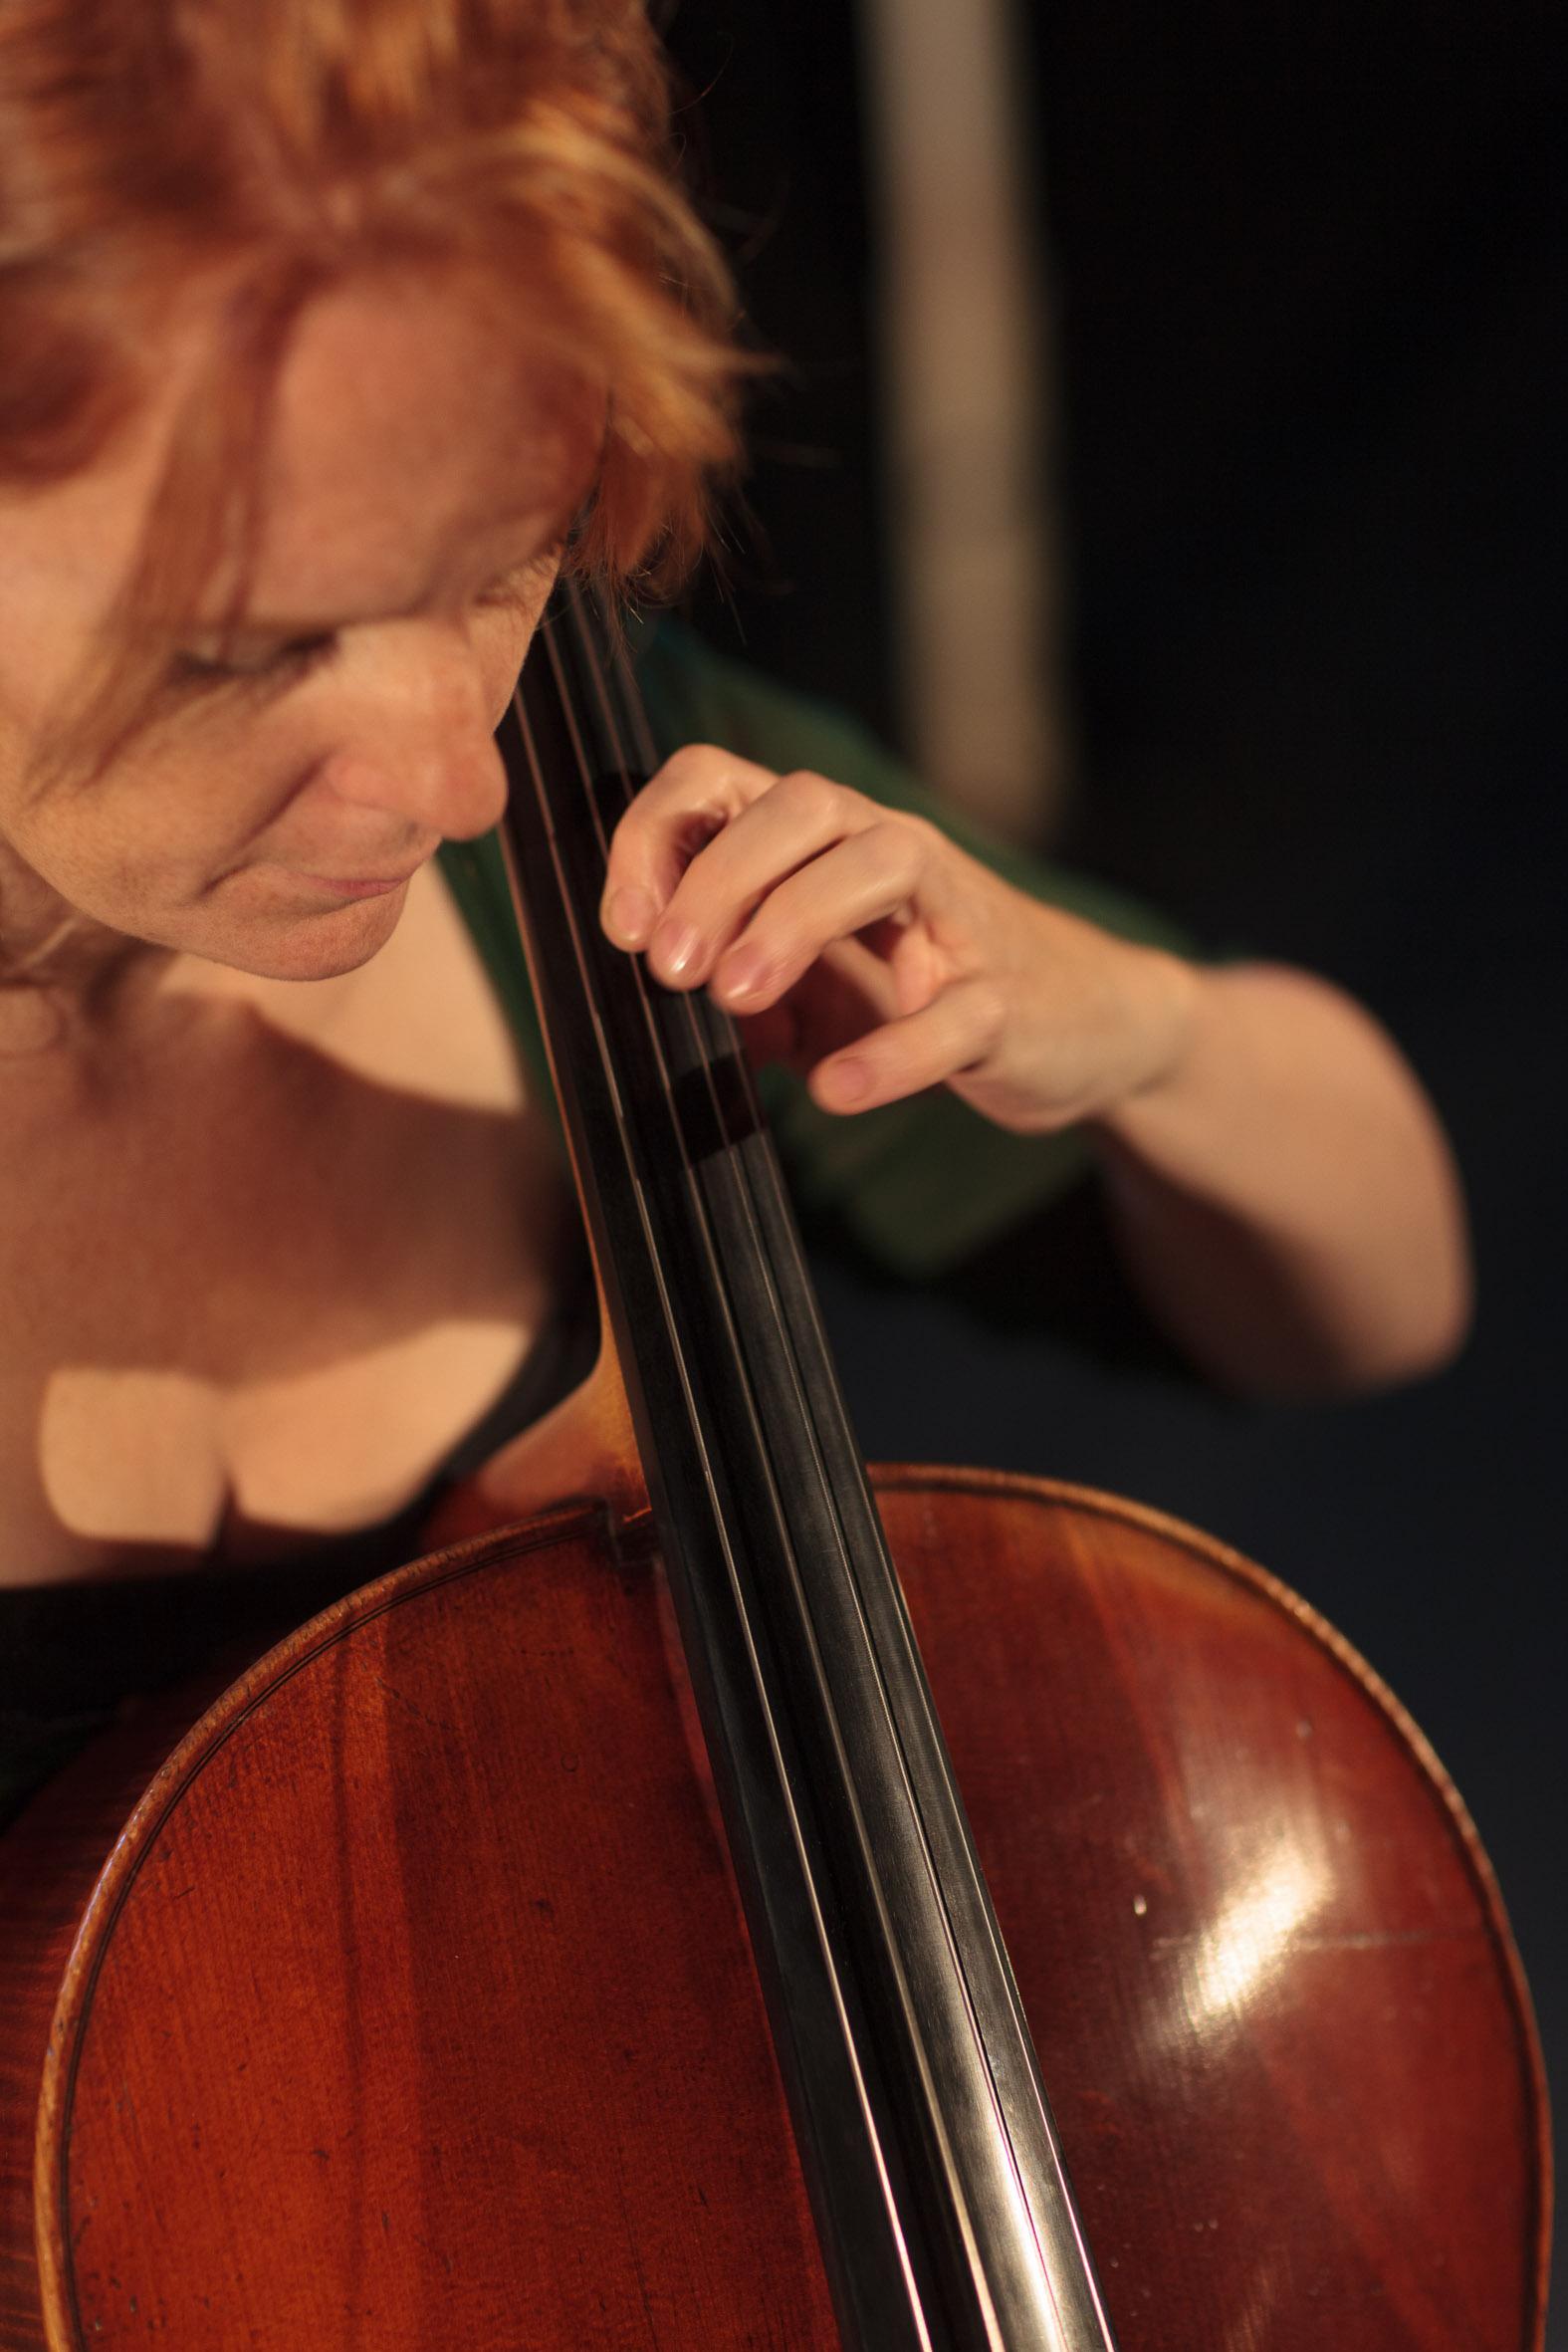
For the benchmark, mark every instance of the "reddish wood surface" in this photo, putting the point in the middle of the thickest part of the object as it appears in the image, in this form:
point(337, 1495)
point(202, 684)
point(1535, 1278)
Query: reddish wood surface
point(50, 1862)
point(413, 2008)
point(1273, 1989)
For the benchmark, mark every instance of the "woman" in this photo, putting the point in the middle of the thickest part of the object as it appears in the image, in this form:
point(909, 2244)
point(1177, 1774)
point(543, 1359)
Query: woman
point(332, 332)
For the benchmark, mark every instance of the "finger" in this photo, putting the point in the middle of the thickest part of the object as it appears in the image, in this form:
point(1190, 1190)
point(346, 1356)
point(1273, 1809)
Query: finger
point(693, 796)
point(787, 829)
point(957, 1030)
point(846, 994)
point(866, 880)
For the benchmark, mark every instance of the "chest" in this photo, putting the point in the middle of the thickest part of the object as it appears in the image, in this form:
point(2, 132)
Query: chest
point(261, 1281)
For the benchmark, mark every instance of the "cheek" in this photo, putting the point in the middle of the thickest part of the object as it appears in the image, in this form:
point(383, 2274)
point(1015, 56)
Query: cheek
point(109, 862)
point(160, 826)
point(211, 782)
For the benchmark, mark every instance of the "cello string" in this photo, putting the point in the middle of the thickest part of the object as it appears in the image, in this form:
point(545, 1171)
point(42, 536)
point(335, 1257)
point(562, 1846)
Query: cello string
point(630, 699)
point(785, 1778)
point(770, 1267)
point(587, 778)
point(750, 1171)
point(779, 1259)
point(754, 1236)
point(746, 1172)
point(632, 720)
point(699, 1032)
point(782, 1258)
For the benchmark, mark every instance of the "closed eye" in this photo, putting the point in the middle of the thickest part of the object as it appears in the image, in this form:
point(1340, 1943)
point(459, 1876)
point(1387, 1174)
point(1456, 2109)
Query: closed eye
point(218, 661)
point(523, 584)
point(226, 658)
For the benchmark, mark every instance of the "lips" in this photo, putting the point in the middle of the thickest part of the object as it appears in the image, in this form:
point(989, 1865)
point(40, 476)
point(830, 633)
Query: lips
point(360, 885)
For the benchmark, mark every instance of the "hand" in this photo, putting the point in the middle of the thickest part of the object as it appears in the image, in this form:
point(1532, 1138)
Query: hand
point(862, 946)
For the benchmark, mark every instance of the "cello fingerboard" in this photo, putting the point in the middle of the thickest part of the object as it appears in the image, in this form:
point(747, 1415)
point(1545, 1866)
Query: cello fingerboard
point(936, 2173)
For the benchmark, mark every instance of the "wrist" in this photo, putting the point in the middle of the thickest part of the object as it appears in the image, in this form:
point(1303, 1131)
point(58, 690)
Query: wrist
point(1170, 1002)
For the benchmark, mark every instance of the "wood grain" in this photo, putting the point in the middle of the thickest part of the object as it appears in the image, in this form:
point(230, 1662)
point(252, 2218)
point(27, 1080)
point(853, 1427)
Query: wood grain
point(413, 2008)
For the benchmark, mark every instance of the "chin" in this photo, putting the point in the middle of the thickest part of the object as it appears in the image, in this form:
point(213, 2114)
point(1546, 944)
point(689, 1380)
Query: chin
point(314, 946)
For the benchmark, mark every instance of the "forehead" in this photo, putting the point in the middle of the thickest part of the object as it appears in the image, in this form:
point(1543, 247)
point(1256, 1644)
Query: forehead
point(411, 426)
point(411, 432)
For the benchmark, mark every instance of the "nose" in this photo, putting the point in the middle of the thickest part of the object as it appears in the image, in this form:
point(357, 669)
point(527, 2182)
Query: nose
point(416, 741)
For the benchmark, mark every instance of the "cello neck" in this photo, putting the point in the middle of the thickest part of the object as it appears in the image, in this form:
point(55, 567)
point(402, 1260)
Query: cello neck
point(927, 2143)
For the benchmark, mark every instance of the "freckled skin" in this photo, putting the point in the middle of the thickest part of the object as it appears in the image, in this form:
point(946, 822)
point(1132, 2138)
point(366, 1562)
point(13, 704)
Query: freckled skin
point(270, 1249)
point(417, 467)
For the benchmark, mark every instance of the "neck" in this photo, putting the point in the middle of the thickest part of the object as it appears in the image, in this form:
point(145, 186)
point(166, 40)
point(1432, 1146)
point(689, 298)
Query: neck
point(63, 976)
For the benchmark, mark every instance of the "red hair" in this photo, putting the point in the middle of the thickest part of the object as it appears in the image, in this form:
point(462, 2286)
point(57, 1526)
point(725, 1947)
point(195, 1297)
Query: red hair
point(280, 145)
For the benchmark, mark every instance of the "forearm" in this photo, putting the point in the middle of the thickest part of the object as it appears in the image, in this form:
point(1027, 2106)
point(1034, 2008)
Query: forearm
point(1283, 1189)
point(1284, 1197)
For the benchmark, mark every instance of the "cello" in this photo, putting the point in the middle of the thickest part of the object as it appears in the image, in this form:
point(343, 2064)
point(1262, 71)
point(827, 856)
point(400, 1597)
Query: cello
point(601, 1932)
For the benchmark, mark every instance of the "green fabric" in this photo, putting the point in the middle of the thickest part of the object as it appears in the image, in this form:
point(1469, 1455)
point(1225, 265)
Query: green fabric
point(921, 1184)
point(476, 873)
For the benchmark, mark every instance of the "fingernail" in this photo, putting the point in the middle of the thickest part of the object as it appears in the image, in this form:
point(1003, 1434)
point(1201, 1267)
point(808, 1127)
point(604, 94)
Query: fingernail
point(851, 1080)
point(675, 949)
point(630, 915)
point(745, 974)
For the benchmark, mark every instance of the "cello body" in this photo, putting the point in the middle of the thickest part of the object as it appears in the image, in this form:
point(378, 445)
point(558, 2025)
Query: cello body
point(412, 2007)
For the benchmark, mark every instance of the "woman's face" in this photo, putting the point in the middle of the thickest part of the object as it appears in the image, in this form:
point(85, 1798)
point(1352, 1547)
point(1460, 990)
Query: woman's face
point(293, 777)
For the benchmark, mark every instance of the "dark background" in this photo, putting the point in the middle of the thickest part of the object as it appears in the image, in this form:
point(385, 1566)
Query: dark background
point(1307, 271)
